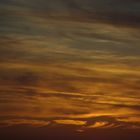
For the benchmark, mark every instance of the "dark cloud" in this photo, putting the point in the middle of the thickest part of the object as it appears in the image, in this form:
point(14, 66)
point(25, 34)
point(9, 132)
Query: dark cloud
point(112, 11)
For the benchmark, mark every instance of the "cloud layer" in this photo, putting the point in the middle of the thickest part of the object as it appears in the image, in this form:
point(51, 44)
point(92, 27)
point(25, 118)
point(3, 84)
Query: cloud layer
point(55, 69)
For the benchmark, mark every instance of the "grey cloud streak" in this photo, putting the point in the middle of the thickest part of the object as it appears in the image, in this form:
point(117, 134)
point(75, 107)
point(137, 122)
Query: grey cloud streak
point(112, 11)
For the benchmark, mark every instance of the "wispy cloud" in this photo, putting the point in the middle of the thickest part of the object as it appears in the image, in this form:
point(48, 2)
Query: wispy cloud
point(53, 66)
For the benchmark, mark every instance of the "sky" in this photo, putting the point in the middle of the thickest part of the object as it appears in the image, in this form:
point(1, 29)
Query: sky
point(69, 69)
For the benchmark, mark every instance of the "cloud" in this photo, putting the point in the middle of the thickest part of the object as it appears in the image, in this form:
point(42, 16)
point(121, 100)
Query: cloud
point(109, 11)
point(35, 123)
point(54, 66)
point(70, 122)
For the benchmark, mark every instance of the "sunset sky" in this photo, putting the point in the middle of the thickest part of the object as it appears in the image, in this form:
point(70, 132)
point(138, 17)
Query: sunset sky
point(69, 68)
